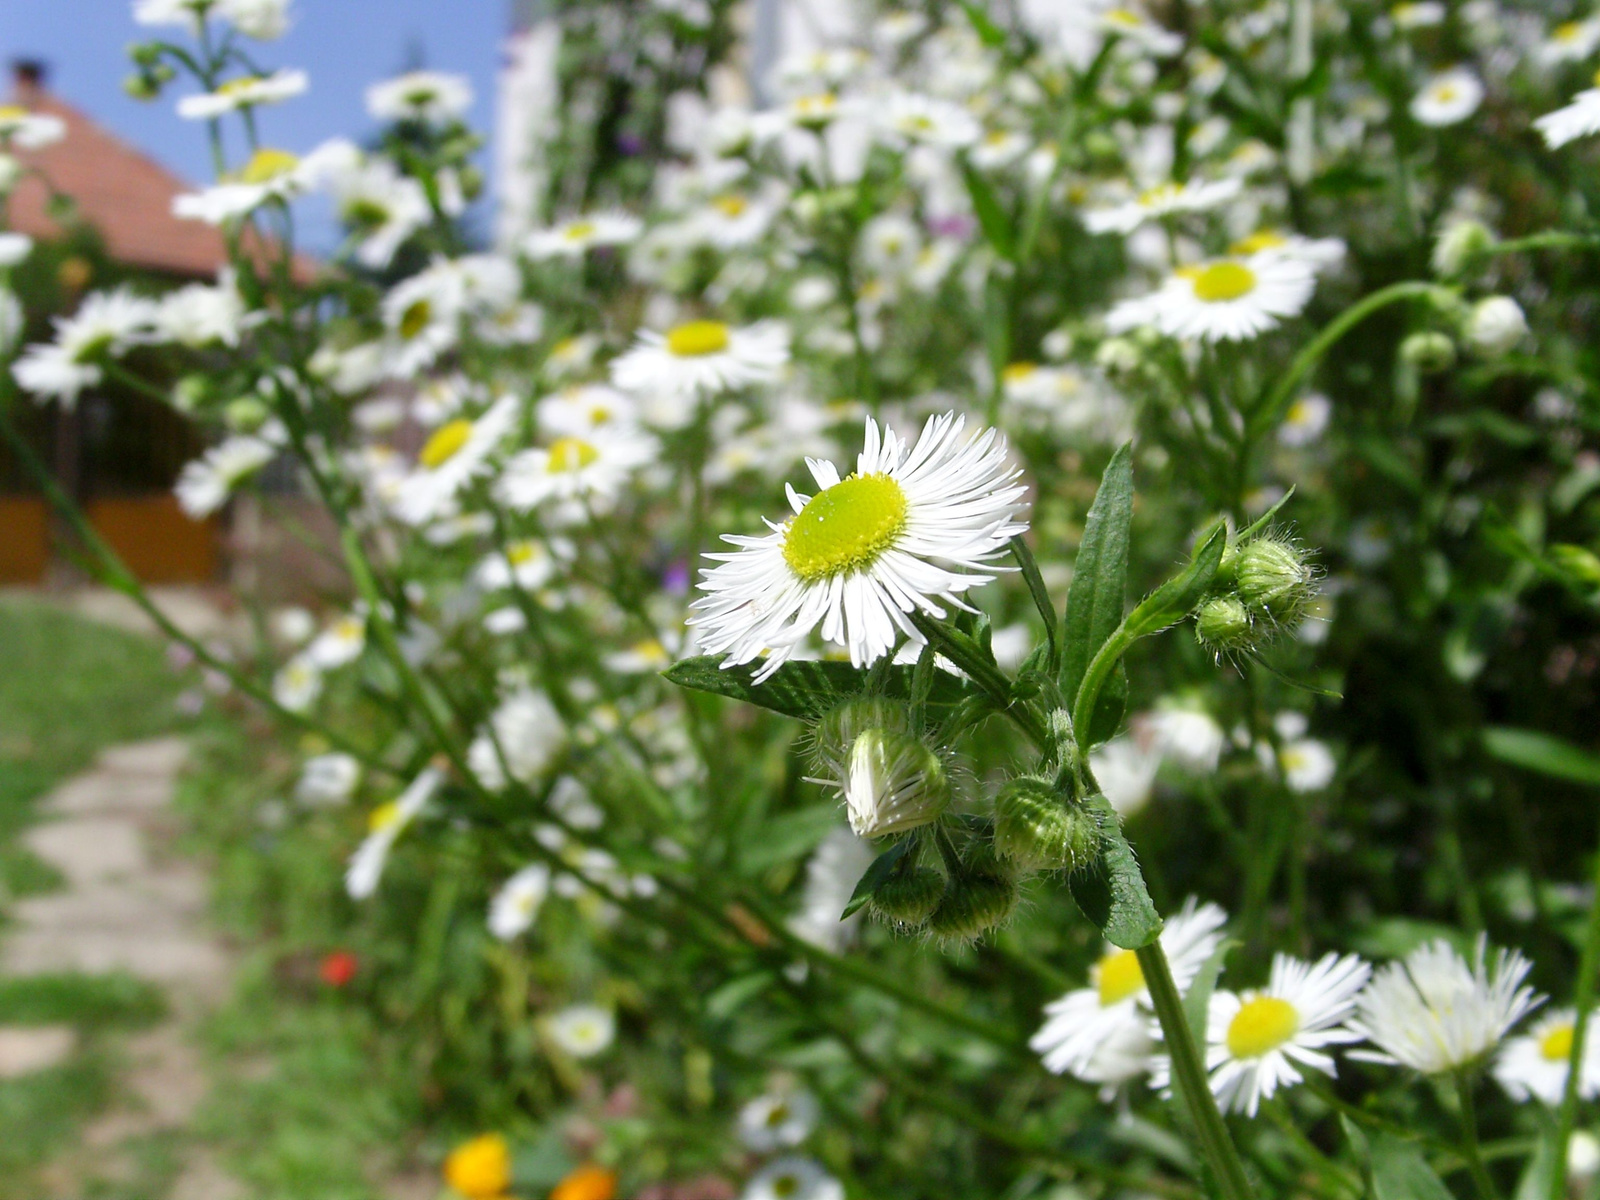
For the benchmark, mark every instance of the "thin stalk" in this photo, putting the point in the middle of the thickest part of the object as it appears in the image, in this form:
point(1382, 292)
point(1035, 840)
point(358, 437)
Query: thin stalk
point(1583, 998)
point(1470, 1149)
point(1189, 1073)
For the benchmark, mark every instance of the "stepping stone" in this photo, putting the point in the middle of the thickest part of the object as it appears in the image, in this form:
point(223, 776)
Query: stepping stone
point(27, 1049)
point(88, 850)
point(160, 757)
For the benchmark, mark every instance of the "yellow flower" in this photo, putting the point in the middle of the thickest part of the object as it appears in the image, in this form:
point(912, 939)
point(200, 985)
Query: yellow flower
point(588, 1182)
point(480, 1169)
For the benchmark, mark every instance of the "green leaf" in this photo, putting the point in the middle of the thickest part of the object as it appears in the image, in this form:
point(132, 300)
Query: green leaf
point(1399, 1172)
point(788, 836)
point(874, 876)
point(1197, 1000)
point(1176, 598)
point(1114, 897)
point(543, 1164)
point(736, 993)
point(1536, 1177)
point(806, 690)
point(990, 34)
point(992, 219)
point(1265, 518)
point(1041, 595)
point(1094, 601)
point(1542, 753)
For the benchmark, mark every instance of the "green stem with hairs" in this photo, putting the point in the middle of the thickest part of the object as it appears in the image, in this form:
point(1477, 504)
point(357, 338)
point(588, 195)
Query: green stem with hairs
point(1470, 1149)
point(1189, 1076)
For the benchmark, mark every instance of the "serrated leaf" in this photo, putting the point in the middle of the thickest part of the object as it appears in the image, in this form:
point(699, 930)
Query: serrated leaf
point(1544, 754)
point(992, 218)
point(1114, 896)
point(805, 690)
point(1094, 601)
point(1399, 1172)
point(874, 876)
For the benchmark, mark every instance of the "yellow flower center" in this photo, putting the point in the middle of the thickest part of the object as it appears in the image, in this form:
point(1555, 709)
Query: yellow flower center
point(572, 454)
point(698, 338)
point(1120, 977)
point(785, 1186)
point(1597, 79)
point(845, 528)
point(1165, 193)
point(1266, 239)
point(1299, 413)
point(1445, 93)
point(1018, 371)
point(1221, 281)
point(777, 1115)
point(1556, 1046)
point(731, 205)
point(446, 443)
point(812, 107)
point(383, 817)
point(415, 319)
point(519, 553)
point(1567, 31)
point(267, 164)
point(1124, 18)
point(13, 112)
point(579, 230)
point(1260, 1025)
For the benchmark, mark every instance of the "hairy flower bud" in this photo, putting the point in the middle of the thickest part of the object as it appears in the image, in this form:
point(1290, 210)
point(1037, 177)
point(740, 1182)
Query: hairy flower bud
point(1428, 352)
point(1223, 624)
point(1273, 577)
point(1495, 326)
point(971, 906)
point(1459, 245)
point(893, 782)
point(1039, 829)
point(909, 897)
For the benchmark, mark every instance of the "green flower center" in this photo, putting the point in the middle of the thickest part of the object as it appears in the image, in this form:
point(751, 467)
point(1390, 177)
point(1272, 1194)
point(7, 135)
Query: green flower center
point(415, 319)
point(1220, 281)
point(698, 338)
point(1261, 1025)
point(845, 528)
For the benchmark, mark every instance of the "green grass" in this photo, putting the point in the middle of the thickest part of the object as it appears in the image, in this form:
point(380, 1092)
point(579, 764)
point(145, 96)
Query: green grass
point(68, 688)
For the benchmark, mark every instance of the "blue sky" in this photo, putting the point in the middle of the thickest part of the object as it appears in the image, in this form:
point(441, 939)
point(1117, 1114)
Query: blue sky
point(342, 44)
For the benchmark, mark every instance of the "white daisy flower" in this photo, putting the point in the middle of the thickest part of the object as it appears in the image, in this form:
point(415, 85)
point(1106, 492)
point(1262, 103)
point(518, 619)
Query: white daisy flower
point(1571, 41)
point(263, 20)
point(1434, 1013)
point(423, 317)
point(24, 130)
point(867, 550)
point(269, 175)
point(1140, 31)
point(385, 824)
point(915, 119)
point(1449, 98)
point(1226, 299)
point(583, 1030)
point(831, 877)
point(530, 734)
point(327, 779)
point(792, 1178)
point(431, 97)
point(381, 206)
point(516, 905)
point(1260, 1040)
point(248, 91)
point(1306, 420)
point(1102, 1033)
point(777, 1121)
point(14, 247)
point(1580, 118)
point(455, 453)
point(339, 644)
point(197, 315)
point(1125, 768)
point(1197, 195)
point(574, 237)
point(732, 219)
point(1188, 736)
point(1320, 254)
point(106, 325)
point(527, 563)
point(205, 484)
point(1000, 148)
point(700, 358)
point(1535, 1064)
point(297, 684)
point(188, 13)
point(571, 356)
point(584, 410)
point(579, 476)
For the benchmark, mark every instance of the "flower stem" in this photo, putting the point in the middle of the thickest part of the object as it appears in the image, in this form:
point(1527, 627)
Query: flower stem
point(1583, 998)
point(1189, 1074)
point(1470, 1150)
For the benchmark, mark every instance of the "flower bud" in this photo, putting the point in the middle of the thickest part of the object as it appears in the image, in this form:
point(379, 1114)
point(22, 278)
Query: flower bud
point(1428, 352)
point(246, 414)
point(893, 782)
point(1495, 326)
point(908, 898)
point(836, 732)
point(1459, 245)
point(1039, 829)
point(1223, 624)
point(1274, 577)
point(971, 906)
point(1578, 563)
point(141, 86)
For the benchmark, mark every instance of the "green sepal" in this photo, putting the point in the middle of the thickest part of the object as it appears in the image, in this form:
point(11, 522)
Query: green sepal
point(874, 876)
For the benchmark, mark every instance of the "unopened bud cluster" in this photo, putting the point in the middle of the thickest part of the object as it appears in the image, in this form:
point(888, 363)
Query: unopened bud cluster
point(1263, 586)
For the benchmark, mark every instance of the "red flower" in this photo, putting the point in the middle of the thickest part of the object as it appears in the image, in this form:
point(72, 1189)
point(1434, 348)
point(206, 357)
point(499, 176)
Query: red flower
point(338, 968)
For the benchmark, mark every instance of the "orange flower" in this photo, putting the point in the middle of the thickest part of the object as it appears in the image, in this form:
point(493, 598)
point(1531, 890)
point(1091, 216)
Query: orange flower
point(480, 1169)
point(588, 1182)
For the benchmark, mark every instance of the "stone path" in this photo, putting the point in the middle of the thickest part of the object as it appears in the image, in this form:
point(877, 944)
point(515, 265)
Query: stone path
point(130, 904)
